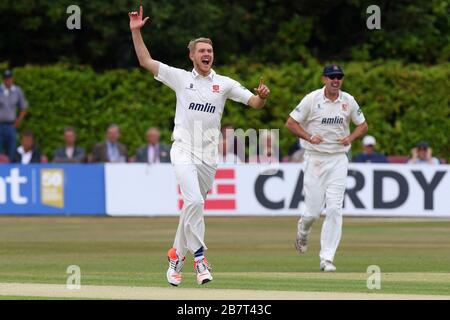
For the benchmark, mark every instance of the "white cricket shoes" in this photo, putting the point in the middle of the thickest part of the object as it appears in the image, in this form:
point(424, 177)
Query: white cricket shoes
point(203, 271)
point(174, 275)
point(327, 266)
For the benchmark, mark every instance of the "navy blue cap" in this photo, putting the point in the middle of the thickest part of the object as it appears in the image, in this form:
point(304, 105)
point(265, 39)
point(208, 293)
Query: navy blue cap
point(422, 145)
point(7, 74)
point(332, 69)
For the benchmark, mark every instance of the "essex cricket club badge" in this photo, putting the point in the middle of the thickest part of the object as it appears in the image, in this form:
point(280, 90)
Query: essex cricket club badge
point(216, 88)
point(344, 107)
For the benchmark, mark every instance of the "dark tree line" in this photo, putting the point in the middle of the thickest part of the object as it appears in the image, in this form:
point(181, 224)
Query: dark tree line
point(265, 31)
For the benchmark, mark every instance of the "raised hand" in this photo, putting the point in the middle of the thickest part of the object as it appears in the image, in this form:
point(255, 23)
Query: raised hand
point(262, 91)
point(136, 21)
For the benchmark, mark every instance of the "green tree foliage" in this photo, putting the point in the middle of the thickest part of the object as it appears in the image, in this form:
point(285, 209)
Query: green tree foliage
point(403, 103)
point(266, 31)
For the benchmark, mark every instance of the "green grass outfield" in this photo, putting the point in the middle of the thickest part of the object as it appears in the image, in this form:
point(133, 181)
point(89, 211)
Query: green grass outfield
point(251, 253)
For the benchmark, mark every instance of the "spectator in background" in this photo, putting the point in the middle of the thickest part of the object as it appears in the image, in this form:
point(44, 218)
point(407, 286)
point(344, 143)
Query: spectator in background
point(153, 152)
point(422, 154)
point(267, 149)
point(234, 151)
point(11, 97)
point(70, 153)
point(226, 154)
point(369, 154)
point(296, 152)
point(110, 150)
point(27, 152)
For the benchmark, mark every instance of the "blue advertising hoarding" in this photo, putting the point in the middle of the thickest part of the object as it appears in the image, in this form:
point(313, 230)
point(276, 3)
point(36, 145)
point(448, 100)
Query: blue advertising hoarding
point(53, 189)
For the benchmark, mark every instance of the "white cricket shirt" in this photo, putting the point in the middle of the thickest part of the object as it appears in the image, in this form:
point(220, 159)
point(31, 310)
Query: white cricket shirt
point(331, 119)
point(200, 104)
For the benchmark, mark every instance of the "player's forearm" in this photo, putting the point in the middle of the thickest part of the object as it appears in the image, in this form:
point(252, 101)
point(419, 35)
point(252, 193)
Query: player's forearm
point(295, 128)
point(144, 57)
point(359, 131)
point(256, 102)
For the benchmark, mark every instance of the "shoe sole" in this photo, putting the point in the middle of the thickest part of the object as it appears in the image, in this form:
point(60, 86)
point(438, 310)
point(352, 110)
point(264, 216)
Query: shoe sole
point(173, 284)
point(323, 270)
point(204, 281)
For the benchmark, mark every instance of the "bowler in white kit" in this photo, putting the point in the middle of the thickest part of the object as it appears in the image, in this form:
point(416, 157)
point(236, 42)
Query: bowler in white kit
point(201, 95)
point(322, 121)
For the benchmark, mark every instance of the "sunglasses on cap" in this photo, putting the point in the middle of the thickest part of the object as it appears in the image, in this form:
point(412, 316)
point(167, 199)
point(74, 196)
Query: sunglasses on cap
point(336, 76)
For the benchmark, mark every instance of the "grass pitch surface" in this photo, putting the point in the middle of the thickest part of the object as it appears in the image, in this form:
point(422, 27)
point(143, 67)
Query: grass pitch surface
point(246, 253)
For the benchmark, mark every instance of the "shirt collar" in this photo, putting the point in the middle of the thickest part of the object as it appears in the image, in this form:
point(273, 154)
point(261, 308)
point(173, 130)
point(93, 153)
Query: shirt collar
point(211, 74)
point(12, 89)
point(22, 151)
point(325, 99)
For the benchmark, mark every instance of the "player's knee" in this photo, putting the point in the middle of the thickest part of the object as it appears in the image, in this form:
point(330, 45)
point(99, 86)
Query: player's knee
point(195, 202)
point(312, 213)
point(198, 202)
point(334, 211)
point(310, 218)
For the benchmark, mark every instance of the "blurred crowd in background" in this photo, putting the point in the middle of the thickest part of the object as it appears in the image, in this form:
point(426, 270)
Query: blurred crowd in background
point(13, 109)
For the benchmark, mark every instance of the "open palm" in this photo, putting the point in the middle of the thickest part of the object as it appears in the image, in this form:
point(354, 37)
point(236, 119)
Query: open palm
point(136, 21)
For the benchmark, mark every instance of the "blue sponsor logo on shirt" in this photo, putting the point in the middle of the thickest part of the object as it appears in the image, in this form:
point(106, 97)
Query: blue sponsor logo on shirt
point(202, 107)
point(335, 120)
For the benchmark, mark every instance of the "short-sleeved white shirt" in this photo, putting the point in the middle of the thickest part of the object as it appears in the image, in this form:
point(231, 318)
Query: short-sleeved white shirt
point(200, 104)
point(331, 119)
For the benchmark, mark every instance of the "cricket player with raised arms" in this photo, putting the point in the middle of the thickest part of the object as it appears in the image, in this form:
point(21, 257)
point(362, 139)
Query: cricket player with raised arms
point(322, 121)
point(200, 99)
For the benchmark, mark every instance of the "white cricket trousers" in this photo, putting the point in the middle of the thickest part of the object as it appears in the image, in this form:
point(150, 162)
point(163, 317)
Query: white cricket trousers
point(324, 186)
point(195, 179)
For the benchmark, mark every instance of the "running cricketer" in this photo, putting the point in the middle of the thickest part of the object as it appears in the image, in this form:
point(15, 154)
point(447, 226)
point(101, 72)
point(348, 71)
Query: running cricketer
point(322, 120)
point(201, 95)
